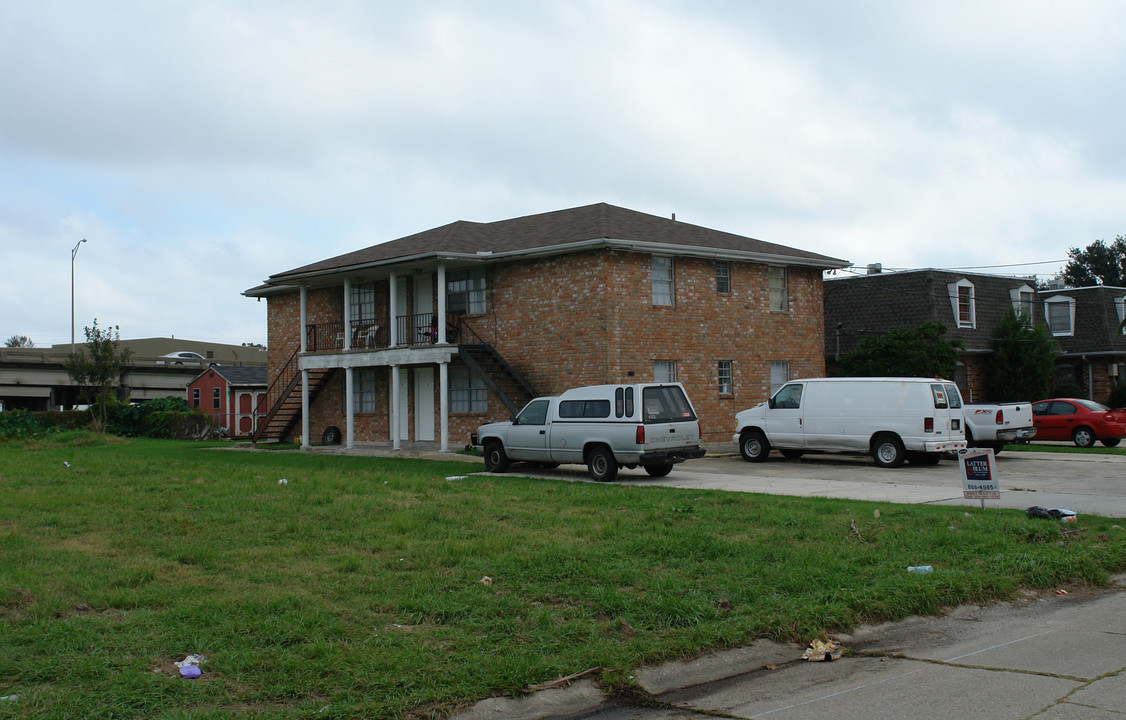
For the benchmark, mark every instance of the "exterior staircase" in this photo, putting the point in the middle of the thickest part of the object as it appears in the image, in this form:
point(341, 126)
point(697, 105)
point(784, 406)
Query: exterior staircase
point(283, 398)
point(500, 377)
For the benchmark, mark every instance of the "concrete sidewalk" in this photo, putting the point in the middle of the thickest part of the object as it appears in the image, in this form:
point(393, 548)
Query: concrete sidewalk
point(1051, 656)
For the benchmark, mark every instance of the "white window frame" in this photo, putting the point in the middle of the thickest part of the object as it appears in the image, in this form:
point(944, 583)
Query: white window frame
point(723, 277)
point(777, 284)
point(725, 383)
point(663, 271)
point(779, 375)
point(466, 287)
point(1020, 307)
point(955, 289)
point(468, 394)
point(1120, 308)
point(1057, 300)
point(363, 391)
point(664, 371)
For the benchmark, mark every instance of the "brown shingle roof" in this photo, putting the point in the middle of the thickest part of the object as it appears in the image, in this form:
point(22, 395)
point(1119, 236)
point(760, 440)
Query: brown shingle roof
point(560, 228)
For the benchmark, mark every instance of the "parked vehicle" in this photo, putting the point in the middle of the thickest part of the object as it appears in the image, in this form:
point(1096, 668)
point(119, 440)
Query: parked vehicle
point(892, 419)
point(602, 426)
point(1081, 421)
point(994, 425)
point(184, 357)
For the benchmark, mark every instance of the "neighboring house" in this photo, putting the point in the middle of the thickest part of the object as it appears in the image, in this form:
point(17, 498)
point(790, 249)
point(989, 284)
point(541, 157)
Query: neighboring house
point(234, 397)
point(970, 305)
point(1086, 324)
point(426, 337)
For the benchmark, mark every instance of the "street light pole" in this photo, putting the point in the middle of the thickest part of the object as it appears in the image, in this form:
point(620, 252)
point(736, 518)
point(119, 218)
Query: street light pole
point(73, 252)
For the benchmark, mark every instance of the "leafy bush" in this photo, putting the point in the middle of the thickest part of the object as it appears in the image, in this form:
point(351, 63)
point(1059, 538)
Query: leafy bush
point(1117, 397)
point(1070, 390)
point(20, 425)
point(167, 417)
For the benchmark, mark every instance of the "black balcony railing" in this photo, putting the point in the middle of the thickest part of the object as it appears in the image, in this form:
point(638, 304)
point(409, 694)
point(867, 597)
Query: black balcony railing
point(412, 330)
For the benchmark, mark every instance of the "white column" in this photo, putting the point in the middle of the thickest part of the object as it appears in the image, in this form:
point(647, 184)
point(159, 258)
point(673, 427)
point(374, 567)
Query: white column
point(349, 408)
point(442, 308)
point(304, 409)
point(396, 444)
point(348, 330)
point(392, 309)
point(444, 403)
point(304, 315)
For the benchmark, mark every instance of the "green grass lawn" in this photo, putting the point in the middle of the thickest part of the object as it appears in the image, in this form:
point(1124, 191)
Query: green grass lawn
point(370, 588)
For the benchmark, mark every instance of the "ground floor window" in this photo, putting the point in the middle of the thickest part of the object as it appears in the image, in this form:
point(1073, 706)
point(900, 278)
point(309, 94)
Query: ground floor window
point(468, 393)
point(779, 374)
point(363, 390)
point(723, 377)
point(664, 371)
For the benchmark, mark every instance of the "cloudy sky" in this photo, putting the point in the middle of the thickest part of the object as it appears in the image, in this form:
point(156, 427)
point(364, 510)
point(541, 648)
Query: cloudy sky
point(201, 146)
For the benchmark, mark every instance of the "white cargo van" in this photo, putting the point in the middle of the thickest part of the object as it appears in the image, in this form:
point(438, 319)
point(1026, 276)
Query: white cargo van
point(892, 419)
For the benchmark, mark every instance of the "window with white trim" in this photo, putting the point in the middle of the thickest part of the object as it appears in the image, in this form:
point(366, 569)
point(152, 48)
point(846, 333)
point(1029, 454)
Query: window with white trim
point(363, 390)
point(779, 301)
point(723, 377)
point(362, 303)
point(779, 374)
point(664, 286)
point(465, 291)
point(1022, 302)
point(216, 399)
point(664, 371)
point(1120, 308)
point(195, 397)
point(468, 393)
point(962, 303)
point(722, 276)
point(1059, 312)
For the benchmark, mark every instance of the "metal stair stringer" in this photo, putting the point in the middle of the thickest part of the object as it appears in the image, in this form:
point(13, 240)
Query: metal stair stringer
point(500, 377)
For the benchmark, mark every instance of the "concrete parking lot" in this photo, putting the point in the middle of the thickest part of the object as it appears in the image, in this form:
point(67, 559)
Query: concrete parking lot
point(1088, 483)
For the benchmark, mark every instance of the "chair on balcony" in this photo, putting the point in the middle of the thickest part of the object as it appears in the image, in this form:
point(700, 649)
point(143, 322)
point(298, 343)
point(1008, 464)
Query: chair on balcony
point(365, 337)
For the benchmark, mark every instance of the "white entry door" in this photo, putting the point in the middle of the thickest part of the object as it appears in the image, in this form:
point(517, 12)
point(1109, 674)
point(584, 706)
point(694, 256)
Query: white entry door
point(424, 404)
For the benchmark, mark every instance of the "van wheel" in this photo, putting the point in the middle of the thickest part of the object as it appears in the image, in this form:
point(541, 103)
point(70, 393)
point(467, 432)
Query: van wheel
point(792, 454)
point(753, 446)
point(495, 459)
point(659, 470)
point(602, 465)
point(887, 451)
point(1084, 437)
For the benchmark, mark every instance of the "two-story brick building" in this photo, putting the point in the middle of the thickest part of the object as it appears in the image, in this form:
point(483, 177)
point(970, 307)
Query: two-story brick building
point(426, 337)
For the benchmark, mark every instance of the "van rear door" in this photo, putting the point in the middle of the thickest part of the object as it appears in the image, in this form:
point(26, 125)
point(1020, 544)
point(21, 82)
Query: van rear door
point(669, 419)
point(948, 418)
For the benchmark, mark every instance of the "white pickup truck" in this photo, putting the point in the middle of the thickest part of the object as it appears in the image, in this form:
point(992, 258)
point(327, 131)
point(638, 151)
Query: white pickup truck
point(994, 425)
point(602, 426)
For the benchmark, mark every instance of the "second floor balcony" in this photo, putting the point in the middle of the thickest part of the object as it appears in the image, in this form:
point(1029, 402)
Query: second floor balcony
point(418, 330)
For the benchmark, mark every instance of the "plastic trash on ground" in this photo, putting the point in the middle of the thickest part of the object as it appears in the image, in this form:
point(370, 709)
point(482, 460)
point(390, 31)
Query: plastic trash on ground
point(1062, 514)
point(189, 666)
point(919, 569)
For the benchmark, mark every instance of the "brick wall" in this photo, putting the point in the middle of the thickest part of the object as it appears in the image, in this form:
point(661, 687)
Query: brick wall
point(588, 318)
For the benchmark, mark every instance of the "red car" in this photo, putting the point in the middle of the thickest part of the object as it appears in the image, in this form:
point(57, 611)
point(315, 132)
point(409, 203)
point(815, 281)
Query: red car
point(1081, 421)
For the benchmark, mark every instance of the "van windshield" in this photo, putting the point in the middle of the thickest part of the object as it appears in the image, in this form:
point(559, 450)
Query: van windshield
point(665, 403)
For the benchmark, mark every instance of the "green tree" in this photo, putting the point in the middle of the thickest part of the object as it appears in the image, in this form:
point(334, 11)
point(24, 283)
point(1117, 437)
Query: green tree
point(96, 367)
point(1097, 264)
point(922, 351)
point(19, 341)
point(1023, 363)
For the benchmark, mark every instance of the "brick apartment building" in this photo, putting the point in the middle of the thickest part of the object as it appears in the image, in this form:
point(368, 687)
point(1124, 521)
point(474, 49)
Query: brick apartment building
point(424, 338)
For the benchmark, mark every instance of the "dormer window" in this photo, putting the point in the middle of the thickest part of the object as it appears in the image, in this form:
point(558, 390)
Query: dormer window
point(1059, 311)
point(1022, 302)
point(1120, 308)
point(962, 303)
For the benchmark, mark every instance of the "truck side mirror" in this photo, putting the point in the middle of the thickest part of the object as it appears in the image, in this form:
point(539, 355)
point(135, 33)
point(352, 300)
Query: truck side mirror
point(770, 403)
point(512, 419)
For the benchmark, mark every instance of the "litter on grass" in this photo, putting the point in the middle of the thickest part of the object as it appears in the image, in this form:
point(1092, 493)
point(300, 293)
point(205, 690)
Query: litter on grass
point(820, 651)
point(456, 477)
point(1062, 514)
point(189, 666)
point(283, 481)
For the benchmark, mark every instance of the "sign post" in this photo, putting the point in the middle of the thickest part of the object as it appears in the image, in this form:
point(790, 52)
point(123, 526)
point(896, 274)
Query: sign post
point(979, 475)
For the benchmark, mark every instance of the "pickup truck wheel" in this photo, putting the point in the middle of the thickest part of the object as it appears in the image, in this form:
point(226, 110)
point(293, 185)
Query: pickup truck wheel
point(602, 465)
point(792, 454)
point(659, 470)
point(495, 459)
point(1113, 442)
point(887, 451)
point(753, 446)
point(1084, 437)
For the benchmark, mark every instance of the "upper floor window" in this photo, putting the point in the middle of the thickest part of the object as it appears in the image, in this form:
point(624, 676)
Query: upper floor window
point(777, 283)
point(664, 371)
point(722, 276)
point(664, 290)
point(962, 303)
point(1059, 311)
point(1120, 308)
point(723, 377)
point(465, 291)
point(1022, 302)
point(362, 303)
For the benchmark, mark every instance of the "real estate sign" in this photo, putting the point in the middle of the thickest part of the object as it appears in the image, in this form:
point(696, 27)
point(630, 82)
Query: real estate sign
point(979, 474)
